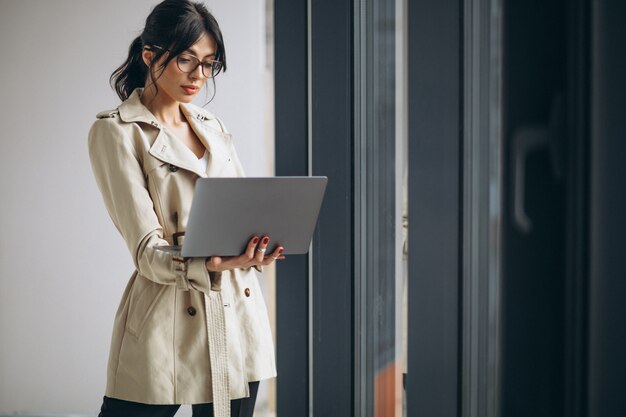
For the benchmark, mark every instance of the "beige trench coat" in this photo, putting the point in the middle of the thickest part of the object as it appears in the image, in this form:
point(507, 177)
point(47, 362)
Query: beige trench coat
point(181, 336)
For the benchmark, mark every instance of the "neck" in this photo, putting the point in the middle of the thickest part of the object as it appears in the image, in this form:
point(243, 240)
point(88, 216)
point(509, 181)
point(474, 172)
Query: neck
point(166, 110)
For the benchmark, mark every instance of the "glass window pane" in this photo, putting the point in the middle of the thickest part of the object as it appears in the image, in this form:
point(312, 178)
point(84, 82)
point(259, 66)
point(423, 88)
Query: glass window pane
point(381, 174)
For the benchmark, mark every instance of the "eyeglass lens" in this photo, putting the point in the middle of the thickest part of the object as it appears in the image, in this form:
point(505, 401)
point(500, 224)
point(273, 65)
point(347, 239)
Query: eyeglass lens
point(188, 63)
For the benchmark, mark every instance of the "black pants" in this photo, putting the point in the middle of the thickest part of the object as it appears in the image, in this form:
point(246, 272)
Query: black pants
point(112, 407)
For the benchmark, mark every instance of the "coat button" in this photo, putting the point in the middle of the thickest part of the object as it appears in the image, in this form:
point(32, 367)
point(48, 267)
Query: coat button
point(173, 168)
point(191, 311)
point(247, 292)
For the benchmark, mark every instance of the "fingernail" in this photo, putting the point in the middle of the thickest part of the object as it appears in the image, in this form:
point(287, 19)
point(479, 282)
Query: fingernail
point(255, 240)
point(265, 240)
point(280, 250)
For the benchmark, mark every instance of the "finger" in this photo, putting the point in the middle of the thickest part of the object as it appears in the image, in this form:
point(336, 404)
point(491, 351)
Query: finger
point(274, 255)
point(269, 260)
point(250, 249)
point(277, 252)
point(213, 263)
point(260, 250)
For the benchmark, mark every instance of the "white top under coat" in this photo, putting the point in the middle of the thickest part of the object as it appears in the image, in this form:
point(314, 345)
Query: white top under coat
point(204, 161)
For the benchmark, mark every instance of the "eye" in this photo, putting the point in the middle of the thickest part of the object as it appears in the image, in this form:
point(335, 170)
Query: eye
point(183, 60)
point(216, 66)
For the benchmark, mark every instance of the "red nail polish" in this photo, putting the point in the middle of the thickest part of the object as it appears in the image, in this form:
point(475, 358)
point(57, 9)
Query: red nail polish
point(255, 240)
point(280, 251)
point(265, 240)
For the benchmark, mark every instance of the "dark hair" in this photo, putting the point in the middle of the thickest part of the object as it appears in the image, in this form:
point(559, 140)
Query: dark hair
point(172, 26)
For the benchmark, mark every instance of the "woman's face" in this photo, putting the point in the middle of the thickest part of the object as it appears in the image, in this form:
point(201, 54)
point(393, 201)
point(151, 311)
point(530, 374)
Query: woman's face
point(180, 86)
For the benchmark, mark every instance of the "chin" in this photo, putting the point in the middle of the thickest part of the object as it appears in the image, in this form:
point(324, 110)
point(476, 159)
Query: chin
point(183, 98)
point(187, 99)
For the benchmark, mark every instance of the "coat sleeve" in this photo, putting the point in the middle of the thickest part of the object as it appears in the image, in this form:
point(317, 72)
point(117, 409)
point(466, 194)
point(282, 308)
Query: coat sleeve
point(116, 166)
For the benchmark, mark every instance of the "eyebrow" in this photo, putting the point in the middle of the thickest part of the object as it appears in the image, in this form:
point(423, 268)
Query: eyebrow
point(190, 52)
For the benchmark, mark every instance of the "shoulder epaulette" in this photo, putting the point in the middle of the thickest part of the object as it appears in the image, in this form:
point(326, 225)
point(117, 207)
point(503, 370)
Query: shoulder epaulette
point(107, 114)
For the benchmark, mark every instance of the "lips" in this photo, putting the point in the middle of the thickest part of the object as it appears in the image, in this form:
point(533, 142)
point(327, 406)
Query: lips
point(190, 89)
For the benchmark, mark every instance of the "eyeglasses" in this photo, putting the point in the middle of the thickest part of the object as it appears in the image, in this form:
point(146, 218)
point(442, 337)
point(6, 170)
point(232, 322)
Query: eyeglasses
point(188, 63)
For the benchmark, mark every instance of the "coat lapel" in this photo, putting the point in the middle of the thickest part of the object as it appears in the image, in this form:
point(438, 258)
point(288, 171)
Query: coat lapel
point(219, 144)
point(173, 151)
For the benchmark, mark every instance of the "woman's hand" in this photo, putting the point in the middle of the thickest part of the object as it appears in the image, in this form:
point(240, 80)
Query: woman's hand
point(253, 256)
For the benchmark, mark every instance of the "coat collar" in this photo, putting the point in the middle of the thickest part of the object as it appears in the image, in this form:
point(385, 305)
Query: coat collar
point(169, 149)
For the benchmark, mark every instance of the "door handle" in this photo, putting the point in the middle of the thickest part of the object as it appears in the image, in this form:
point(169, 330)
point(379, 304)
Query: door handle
point(527, 139)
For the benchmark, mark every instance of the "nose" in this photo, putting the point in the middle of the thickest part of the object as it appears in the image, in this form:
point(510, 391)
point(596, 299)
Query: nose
point(197, 72)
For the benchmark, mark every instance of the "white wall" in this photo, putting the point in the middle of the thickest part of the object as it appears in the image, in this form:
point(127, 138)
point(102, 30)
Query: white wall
point(62, 264)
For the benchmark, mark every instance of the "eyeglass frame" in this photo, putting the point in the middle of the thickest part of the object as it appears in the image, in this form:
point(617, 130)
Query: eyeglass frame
point(198, 64)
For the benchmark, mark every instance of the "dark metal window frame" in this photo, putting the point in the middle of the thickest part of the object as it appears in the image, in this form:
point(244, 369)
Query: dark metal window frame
point(453, 333)
point(482, 203)
point(314, 135)
point(292, 286)
point(320, 379)
point(435, 59)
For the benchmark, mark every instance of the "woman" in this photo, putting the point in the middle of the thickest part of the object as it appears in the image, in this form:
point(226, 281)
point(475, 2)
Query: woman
point(187, 331)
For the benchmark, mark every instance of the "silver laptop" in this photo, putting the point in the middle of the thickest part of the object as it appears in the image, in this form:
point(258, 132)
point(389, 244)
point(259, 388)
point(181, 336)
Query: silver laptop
point(227, 212)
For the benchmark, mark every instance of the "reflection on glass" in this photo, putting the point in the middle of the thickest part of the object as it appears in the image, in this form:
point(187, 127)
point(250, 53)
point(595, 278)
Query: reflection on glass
point(381, 208)
point(404, 287)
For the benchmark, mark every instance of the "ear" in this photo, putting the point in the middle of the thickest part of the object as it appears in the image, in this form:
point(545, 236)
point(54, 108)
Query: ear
point(146, 56)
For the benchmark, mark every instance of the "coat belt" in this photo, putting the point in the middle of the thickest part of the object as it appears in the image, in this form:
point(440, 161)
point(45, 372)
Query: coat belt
point(217, 342)
point(176, 239)
point(218, 353)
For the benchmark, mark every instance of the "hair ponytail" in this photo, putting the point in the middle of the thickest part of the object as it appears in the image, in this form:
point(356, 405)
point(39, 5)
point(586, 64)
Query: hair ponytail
point(132, 73)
